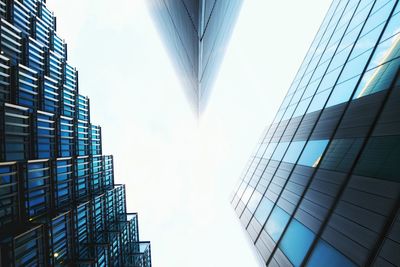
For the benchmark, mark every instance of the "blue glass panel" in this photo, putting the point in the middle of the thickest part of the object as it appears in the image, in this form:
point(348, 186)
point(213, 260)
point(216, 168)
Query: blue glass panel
point(280, 150)
point(276, 223)
point(325, 255)
point(294, 151)
point(296, 242)
point(313, 152)
point(270, 150)
point(254, 200)
point(263, 210)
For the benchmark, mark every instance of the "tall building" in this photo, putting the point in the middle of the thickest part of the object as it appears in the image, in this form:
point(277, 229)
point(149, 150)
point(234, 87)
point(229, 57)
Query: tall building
point(323, 186)
point(59, 204)
point(196, 33)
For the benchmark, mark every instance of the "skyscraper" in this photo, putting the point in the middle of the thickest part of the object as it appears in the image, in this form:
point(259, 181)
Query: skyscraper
point(196, 33)
point(59, 204)
point(323, 186)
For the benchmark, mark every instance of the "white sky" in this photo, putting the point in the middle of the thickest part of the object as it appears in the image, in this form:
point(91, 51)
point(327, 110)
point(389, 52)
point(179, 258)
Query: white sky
point(179, 172)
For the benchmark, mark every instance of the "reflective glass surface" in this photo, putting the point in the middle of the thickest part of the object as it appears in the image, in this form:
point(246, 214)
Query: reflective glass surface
point(276, 223)
point(196, 34)
point(296, 242)
point(325, 255)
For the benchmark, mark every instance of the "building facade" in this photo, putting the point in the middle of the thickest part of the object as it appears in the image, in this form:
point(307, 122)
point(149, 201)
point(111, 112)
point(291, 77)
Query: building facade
point(323, 186)
point(59, 204)
point(196, 33)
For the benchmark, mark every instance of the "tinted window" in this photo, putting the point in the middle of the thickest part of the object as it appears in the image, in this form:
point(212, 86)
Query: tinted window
point(296, 242)
point(312, 153)
point(263, 210)
point(294, 151)
point(276, 223)
point(325, 255)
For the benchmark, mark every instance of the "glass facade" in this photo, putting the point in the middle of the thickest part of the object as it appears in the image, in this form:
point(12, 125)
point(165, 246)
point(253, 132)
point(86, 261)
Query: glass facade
point(59, 204)
point(196, 33)
point(323, 186)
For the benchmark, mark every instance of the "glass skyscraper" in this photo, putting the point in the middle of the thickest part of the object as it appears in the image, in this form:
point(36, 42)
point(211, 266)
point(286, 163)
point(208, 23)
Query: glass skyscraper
point(59, 204)
point(323, 186)
point(196, 33)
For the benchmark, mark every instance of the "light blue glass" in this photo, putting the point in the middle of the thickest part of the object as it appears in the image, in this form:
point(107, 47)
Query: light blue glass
point(293, 152)
point(254, 200)
point(270, 150)
point(302, 107)
point(318, 101)
point(296, 242)
point(342, 92)
point(325, 255)
point(312, 152)
point(263, 210)
point(276, 223)
point(280, 150)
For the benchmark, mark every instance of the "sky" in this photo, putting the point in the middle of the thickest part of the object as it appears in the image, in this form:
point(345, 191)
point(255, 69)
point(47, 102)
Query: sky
point(180, 172)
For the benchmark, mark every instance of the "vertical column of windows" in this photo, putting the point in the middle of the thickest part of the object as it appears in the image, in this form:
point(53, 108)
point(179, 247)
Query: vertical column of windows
point(50, 95)
point(37, 187)
point(8, 193)
point(63, 182)
point(82, 231)
point(82, 177)
point(27, 87)
point(36, 56)
point(11, 42)
point(60, 239)
point(28, 248)
point(82, 126)
point(21, 18)
point(69, 91)
point(41, 32)
point(65, 136)
point(15, 124)
point(44, 144)
point(108, 171)
point(5, 79)
point(96, 174)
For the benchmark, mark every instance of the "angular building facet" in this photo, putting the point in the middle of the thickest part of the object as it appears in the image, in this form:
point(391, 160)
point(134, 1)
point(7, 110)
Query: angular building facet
point(323, 186)
point(196, 33)
point(59, 204)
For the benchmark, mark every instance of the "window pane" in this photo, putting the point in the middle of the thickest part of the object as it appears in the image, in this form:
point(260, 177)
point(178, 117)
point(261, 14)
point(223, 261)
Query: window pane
point(294, 151)
point(280, 150)
point(381, 158)
point(254, 200)
point(270, 150)
point(341, 154)
point(276, 223)
point(312, 153)
point(325, 255)
point(263, 210)
point(296, 242)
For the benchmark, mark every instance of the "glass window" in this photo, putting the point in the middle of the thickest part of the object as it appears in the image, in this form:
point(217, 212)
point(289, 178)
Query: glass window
point(280, 150)
point(270, 150)
point(263, 210)
point(302, 107)
point(327, 256)
point(276, 223)
point(313, 152)
point(296, 242)
point(341, 154)
point(318, 101)
point(342, 92)
point(247, 194)
point(254, 200)
point(377, 79)
point(294, 151)
point(380, 158)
